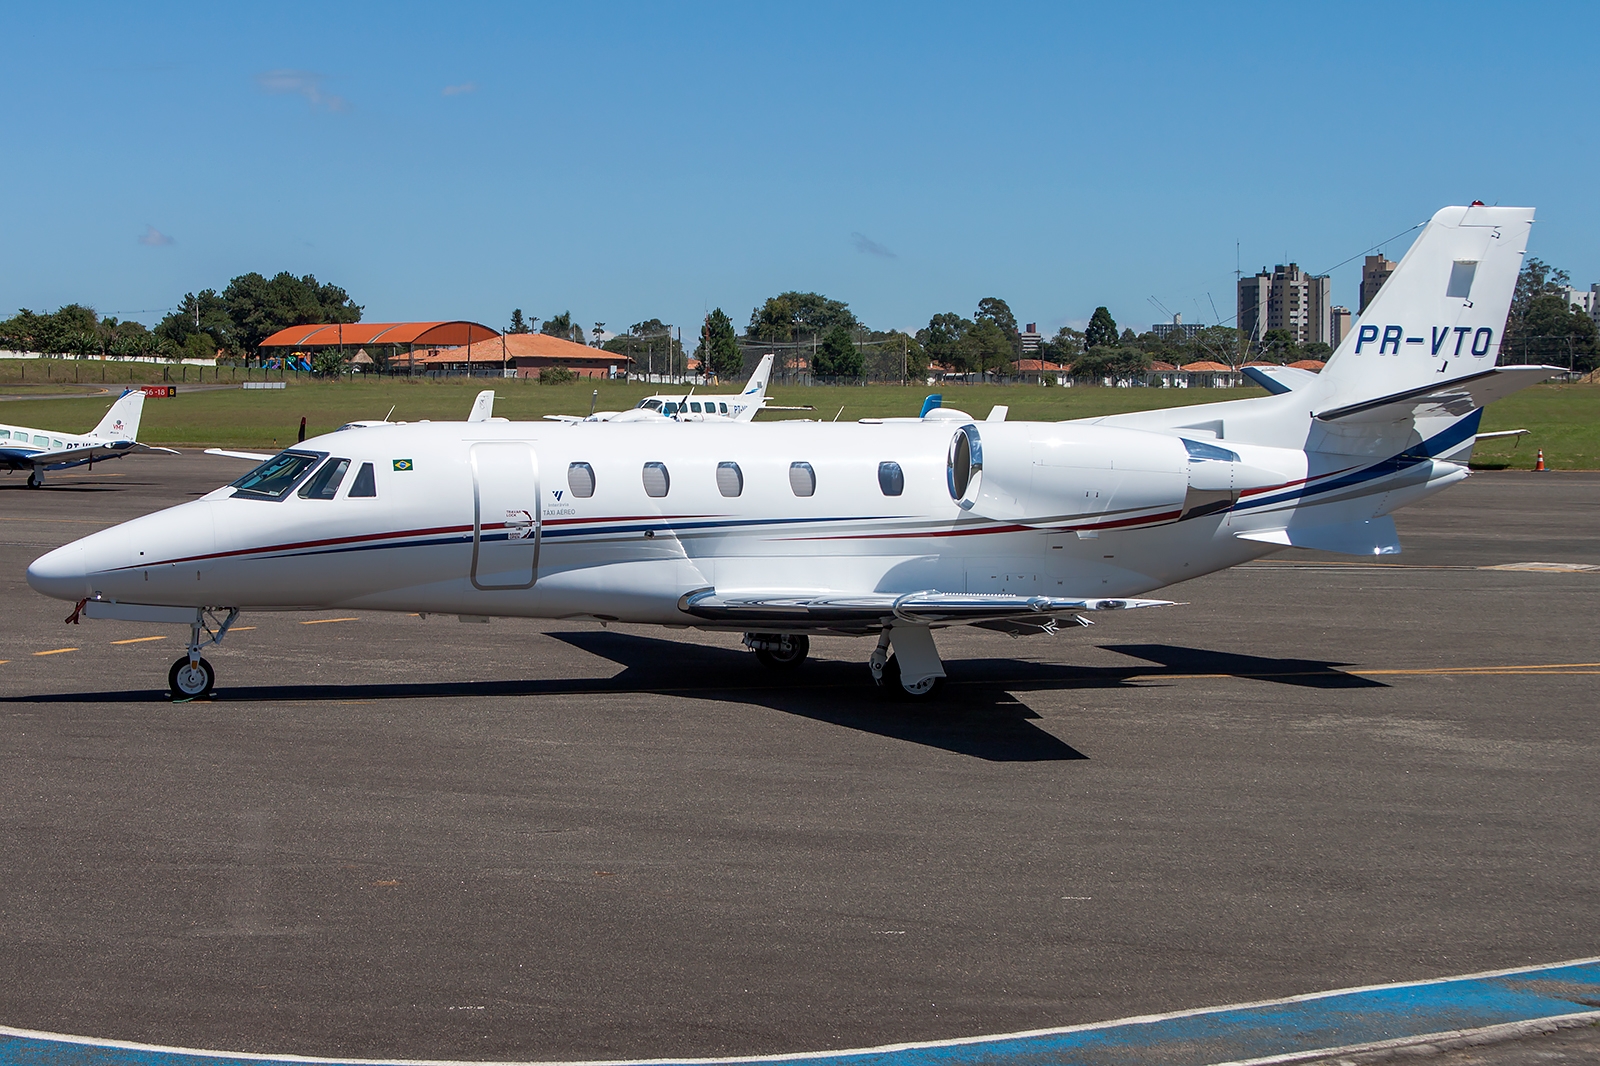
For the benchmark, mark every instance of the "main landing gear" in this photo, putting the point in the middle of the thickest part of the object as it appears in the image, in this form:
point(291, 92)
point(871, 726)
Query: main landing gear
point(912, 671)
point(191, 677)
point(779, 651)
point(36, 479)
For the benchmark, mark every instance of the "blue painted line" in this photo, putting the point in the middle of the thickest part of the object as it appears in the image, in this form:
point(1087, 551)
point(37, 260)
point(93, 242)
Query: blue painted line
point(1321, 1021)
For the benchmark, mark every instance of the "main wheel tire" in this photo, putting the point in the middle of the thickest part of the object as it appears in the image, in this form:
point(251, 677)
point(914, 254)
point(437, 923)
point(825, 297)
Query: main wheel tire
point(35, 481)
point(189, 682)
point(892, 689)
point(791, 658)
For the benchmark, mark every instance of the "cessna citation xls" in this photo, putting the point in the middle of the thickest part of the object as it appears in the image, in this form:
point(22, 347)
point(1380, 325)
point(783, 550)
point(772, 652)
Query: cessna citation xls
point(888, 528)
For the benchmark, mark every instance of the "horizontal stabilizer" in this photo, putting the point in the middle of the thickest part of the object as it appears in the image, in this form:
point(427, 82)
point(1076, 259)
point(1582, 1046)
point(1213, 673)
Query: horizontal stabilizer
point(1376, 536)
point(803, 609)
point(1450, 399)
point(1280, 379)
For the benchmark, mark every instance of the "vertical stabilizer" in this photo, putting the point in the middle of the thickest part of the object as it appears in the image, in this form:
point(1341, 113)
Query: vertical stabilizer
point(122, 421)
point(1441, 314)
point(757, 385)
point(482, 407)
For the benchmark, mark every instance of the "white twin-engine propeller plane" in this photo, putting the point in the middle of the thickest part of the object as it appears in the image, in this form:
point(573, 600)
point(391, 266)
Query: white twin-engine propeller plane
point(39, 450)
point(891, 528)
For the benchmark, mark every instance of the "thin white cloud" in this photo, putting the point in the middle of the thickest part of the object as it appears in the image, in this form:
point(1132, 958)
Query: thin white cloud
point(154, 238)
point(867, 246)
point(306, 83)
point(457, 90)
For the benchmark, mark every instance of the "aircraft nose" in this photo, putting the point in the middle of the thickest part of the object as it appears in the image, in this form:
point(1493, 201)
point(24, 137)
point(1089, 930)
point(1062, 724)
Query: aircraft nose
point(62, 573)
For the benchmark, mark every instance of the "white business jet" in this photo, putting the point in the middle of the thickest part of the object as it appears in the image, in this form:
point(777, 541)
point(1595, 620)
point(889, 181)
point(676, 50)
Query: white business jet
point(888, 529)
point(690, 407)
point(39, 450)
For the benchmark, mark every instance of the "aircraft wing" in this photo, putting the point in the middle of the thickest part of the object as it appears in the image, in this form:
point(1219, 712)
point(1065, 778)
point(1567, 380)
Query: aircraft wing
point(84, 453)
point(1455, 398)
point(801, 609)
point(259, 457)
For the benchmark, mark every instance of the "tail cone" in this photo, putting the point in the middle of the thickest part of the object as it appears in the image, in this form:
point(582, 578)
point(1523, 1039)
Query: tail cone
point(1538, 464)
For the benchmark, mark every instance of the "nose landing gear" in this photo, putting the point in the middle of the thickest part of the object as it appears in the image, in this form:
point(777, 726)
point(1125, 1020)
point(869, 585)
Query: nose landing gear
point(191, 677)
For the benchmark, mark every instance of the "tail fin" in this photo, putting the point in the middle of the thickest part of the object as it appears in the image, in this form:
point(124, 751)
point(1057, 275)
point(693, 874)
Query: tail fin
point(482, 407)
point(1440, 315)
point(122, 421)
point(757, 385)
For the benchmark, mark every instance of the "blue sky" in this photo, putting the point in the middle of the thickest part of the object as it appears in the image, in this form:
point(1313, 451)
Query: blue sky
point(635, 161)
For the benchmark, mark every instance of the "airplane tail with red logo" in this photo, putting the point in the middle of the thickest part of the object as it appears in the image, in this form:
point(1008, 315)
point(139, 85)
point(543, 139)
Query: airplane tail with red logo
point(122, 421)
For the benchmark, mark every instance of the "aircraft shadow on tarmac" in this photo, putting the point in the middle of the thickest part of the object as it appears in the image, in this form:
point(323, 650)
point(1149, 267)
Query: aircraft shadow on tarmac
point(978, 715)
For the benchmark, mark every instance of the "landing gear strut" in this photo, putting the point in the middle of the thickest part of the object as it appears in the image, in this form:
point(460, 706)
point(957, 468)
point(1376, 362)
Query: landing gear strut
point(779, 651)
point(913, 671)
point(35, 479)
point(191, 677)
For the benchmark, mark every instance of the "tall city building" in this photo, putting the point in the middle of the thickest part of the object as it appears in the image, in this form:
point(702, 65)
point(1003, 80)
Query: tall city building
point(1288, 299)
point(1340, 321)
point(1177, 328)
point(1374, 272)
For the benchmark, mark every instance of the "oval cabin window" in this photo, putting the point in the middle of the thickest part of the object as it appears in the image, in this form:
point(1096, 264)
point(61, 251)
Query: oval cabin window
point(802, 479)
point(730, 479)
point(891, 479)
point(656, 481)
point(580, 479)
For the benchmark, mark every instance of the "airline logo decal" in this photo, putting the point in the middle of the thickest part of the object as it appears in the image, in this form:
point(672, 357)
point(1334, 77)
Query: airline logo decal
point(1438, 342)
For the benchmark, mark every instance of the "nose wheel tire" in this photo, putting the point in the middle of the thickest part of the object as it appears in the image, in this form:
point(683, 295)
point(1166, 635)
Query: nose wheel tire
point(786, 653)
point(191, 682)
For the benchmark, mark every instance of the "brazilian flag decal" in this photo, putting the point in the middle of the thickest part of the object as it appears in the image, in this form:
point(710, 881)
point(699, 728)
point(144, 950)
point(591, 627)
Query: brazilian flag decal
point(402, 464)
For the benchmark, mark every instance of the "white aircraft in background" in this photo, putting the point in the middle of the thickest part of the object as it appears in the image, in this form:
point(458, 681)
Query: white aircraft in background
point(38, 450)
point(688, 407)
point(884, 528)
point(482, 411)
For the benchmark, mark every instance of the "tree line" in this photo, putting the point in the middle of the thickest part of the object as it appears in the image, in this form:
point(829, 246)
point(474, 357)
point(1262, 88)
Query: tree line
point(232, 323)
point(802, 327)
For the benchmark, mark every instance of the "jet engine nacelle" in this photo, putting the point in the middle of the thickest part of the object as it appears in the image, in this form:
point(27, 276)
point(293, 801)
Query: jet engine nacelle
point(1093, 477)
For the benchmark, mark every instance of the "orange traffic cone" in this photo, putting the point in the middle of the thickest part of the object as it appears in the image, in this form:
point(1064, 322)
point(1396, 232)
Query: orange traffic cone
point(1538, 464)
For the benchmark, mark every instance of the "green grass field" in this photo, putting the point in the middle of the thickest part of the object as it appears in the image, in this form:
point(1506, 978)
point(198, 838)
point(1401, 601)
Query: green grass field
point(1564, 419)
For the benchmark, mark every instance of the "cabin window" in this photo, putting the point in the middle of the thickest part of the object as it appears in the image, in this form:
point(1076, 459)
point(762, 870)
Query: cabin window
point(274, 479)
point(656, 479)
point(580, 479)
point(324, 484)
point(730, 479)
point(56, 443)
point(724, 407)
point(41, 442)
point(669, 409)
point(5, 434)
point(695, 407)
point(365, 484)
point(891, 479)
point(802, 479)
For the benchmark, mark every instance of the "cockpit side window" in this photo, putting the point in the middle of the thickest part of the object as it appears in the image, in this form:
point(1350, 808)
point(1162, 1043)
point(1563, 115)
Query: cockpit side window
point(275, 478)
point(669, 409)
point(650, 405)
point(365, 484)
point(324, 484)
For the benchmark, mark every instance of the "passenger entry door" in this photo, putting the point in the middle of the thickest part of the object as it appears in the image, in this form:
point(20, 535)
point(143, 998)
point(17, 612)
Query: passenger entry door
point(505, 519)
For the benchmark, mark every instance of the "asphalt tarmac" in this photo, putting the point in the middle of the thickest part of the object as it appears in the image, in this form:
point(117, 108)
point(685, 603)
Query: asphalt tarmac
point(392, 836)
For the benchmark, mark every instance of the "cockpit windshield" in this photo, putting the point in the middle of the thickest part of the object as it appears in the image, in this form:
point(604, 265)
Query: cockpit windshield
point(274, 479)
point(650, 405)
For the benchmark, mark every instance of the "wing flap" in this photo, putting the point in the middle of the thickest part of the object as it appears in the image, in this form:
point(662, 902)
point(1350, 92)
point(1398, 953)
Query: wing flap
point(1375, 536)
point(823, 608)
